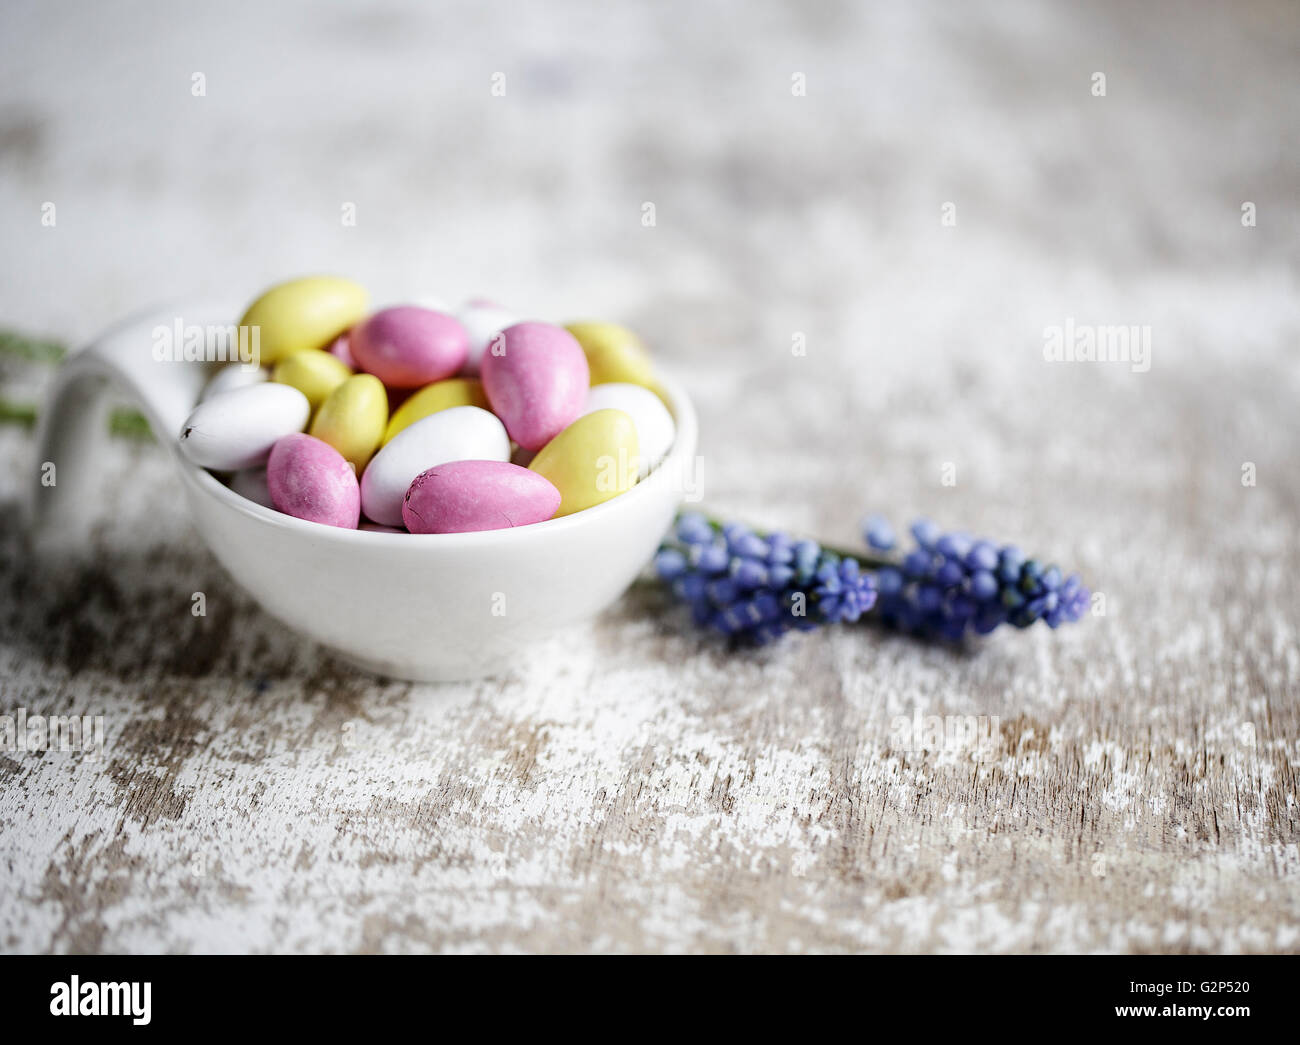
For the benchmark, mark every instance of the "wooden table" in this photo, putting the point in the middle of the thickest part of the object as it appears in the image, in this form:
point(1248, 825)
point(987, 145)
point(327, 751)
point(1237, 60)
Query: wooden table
point(638, 787)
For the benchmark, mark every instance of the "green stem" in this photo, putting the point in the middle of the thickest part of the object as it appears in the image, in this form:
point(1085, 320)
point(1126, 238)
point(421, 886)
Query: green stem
point(124, 421)
point(39, 350)
point(17, 413)
point(129, 422)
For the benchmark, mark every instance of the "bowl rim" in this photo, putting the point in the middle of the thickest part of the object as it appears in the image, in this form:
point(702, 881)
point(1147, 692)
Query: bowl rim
point(683, 447)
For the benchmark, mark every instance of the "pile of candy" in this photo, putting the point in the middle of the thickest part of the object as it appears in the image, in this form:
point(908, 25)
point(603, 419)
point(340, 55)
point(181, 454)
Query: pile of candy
point(414, 419)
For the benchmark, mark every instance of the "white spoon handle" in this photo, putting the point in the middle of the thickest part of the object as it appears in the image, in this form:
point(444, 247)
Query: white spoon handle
point(73, 426)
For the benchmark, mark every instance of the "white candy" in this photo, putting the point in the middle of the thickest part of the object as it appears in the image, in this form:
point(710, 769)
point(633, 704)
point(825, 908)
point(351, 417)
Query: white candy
point(376, 528)
point(654, 424)
point(233, 376)
point(481, 322)
point(251, 483)
point(237, 429)
point(460, 433)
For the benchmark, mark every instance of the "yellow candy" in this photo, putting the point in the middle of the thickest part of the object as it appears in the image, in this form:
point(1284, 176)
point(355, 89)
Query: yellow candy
point(352, 419)
point(314, 373)
point(614, 353)
point(456, 391)
point(592, 460)
point(304, 313)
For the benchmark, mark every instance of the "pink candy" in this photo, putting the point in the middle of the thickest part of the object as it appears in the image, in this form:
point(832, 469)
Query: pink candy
point(309, 479)
point(477, 495)
point(536, 378)
point(339, 349)
point(407, 346)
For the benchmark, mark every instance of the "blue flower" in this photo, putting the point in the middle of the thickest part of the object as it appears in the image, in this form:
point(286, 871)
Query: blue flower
point(951, 585)
point(843, 592)
point(755, 587)
point(878, 534)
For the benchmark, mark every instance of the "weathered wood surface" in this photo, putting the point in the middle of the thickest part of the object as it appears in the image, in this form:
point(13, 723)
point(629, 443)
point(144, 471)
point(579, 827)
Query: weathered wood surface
point(637, 788)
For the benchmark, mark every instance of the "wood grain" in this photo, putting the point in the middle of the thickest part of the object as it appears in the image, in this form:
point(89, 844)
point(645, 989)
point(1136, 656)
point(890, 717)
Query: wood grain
point(639, 788)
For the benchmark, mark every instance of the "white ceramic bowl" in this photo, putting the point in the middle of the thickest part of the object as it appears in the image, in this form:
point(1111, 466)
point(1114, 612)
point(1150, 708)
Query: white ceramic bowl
point(412, 606)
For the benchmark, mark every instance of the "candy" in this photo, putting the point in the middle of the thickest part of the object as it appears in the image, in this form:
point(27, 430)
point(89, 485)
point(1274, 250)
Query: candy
point(614, 353)
point(353, 418)
point(304, 313)
point(233, 376)
point(654, 424)
point(376, 528)
point(407, 346)
point(237, 429)
point(482, 321)
point(309, 479)
point(477, 495)
point(459, 433)
point(456, 391)
point(315, 373)
point(339, 348)
point(535, 376)
point(591, 461)
point(401, 432)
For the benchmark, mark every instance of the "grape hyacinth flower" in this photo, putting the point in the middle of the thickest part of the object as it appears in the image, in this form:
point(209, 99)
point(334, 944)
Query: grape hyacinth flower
point(755, 587)
point(950, 584)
